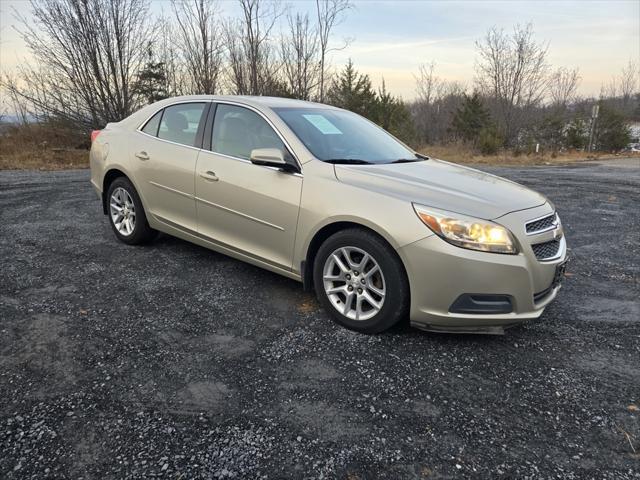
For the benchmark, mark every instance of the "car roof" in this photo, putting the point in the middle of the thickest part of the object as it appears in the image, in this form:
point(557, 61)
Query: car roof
point(252, 100)
point(257, 102)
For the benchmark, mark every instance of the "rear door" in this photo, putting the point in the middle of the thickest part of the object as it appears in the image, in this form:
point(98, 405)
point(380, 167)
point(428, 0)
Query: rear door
point(248, 208)
point(165, 153)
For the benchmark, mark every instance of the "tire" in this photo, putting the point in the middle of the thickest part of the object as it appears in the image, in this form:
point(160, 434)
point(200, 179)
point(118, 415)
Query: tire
point(335, 281)
point(133, 228)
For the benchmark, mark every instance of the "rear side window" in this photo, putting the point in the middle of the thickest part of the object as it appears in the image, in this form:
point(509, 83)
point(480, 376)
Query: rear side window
point(238, 130)
point(180, 123)
point(151, 128)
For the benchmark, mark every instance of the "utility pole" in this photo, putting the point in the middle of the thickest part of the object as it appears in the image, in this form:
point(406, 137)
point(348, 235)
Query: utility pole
point(594, 119)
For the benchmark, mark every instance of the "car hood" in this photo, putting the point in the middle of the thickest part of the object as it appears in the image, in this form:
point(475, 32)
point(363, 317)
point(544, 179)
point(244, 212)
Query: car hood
point(443, 185)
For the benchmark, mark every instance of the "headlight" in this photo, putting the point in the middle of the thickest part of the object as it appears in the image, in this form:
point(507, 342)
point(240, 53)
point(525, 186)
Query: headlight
point(467, 232)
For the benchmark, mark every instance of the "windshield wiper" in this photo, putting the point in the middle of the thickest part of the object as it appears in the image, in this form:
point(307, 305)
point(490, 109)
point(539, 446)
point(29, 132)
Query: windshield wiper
point(419, 158)
point(348, 161)
point(407, 160)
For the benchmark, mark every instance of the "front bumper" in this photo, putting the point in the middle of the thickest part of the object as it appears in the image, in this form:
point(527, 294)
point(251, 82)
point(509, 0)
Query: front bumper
point(439, 273)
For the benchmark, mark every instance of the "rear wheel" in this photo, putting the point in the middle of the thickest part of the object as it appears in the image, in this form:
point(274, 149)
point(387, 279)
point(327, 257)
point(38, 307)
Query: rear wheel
point(126, 214)
point(360, 280)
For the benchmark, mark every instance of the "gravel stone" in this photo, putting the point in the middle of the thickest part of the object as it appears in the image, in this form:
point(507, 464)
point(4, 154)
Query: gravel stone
point(173, 361)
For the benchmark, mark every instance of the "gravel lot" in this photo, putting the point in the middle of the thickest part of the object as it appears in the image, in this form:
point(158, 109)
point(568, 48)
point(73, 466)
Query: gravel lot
point(176, 362)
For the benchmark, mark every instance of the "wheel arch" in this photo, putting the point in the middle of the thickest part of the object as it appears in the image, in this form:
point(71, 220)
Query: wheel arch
point(323, 233)
point(108, 179)
point(117, 171)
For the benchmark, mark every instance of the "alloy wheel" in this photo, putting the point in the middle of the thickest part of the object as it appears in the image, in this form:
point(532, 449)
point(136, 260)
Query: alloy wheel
point(123, 212)
point(354, 283)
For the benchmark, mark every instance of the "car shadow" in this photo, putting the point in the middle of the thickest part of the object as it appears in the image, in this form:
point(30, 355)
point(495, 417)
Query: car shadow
point(306, 303)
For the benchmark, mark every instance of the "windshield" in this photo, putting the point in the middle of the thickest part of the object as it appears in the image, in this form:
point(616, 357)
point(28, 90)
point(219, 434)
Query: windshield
point(342, 136)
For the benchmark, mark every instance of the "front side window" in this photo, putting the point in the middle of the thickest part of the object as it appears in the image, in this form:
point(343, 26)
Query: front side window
point(238, 130)
point(333, 135)
point(180, 123)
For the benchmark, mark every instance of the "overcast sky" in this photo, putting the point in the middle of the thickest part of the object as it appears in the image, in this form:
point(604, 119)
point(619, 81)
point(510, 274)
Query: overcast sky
point(391, 39)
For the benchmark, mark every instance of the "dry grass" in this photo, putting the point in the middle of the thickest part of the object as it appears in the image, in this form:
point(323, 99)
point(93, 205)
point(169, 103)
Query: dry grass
point(41, 147)
point(458, 153)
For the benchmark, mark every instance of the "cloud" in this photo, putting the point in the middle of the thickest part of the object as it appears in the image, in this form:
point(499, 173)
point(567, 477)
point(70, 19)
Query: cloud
point(392, 38)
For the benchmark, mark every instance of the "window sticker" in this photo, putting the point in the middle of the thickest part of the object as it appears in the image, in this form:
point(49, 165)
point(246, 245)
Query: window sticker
point(322, 124)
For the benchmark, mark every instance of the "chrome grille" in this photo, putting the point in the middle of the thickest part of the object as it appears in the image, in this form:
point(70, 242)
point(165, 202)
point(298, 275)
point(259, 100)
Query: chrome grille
point(541, 224)
point(546, 250)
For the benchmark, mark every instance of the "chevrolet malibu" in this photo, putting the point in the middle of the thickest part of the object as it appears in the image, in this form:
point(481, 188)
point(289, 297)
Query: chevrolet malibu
point(325, 197)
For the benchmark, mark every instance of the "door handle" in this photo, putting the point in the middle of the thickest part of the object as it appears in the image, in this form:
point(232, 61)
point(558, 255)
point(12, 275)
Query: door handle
point(142, 155)
point(209, 176)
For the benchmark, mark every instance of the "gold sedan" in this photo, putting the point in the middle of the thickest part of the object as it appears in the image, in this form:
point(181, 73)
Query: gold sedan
point(324, 196)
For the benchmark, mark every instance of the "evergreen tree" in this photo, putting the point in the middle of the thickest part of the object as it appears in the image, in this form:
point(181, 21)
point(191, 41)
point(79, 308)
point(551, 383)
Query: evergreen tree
point(151, 80)
point(352, 91)
point(274, 87)
point(386, 107)
point(577, 134)
point(612, 130)
point(470, 118)
point(392, 114)
point(490, 140)
point(551, 132)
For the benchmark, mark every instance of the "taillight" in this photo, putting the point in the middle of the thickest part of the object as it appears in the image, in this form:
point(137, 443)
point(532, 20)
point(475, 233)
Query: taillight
point(94, 134)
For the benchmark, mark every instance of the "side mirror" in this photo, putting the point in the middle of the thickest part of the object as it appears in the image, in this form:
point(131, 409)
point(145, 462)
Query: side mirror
point(270, 157)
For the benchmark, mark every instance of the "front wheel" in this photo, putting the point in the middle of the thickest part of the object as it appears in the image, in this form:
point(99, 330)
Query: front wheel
point(360, 280)
point(126, 214)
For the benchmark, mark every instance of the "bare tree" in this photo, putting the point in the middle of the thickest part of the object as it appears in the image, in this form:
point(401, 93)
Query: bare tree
point(430, 88)
point(426, 82)
point(563, 85)
point(513, 70)
point(87, 56)
point(299, 55)
point(629, 81)
point(16, 102)
point(237, 64)
point(200, 44)
point(168, 55)
point(329, 14)
point(250, 53)
point(436, 103)
point(622, 93)
point(625, 84)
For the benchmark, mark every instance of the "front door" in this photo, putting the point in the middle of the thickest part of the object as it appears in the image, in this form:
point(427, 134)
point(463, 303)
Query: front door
point(245, 207)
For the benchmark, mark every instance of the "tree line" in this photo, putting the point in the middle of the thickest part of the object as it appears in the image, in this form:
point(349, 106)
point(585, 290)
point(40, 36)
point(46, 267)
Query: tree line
point(97, 61)
point(517, 100)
